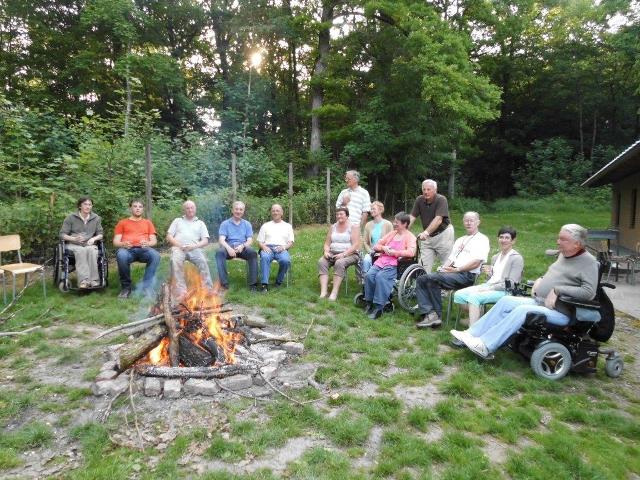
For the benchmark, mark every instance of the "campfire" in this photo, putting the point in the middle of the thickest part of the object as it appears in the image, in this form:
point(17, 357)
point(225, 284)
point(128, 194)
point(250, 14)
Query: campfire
point(203, 332)
point(198, 345)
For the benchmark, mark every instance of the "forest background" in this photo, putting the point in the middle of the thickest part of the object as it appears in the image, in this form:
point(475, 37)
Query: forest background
point(492, 98)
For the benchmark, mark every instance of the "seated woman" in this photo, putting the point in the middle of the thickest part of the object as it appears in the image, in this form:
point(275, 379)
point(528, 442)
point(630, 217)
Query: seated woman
point(506, 264)
point(81, 231)
point(380, 278)
point(374, 230)
point(574, 273)
point(340, 251)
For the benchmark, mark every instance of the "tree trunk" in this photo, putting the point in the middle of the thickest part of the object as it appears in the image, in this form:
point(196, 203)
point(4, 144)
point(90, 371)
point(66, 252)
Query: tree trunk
point(317, 90)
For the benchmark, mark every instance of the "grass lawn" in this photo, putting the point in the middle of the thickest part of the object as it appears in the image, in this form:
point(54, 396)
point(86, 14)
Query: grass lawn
point(396, 402)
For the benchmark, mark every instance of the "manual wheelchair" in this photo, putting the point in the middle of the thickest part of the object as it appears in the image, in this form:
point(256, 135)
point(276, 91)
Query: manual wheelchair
point(64, 264)
point(404, 287)
point(554, 351)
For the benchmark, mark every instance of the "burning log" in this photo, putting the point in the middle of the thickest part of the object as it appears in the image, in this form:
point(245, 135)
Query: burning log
point(174, 345)
point(132, 351)
point(195, 372)
point(193, 356)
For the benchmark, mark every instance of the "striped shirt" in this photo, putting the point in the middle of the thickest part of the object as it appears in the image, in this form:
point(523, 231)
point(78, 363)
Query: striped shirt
point(359, 204)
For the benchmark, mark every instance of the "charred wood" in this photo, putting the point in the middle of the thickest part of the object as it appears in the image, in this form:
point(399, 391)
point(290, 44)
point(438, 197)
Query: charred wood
point(193, 356)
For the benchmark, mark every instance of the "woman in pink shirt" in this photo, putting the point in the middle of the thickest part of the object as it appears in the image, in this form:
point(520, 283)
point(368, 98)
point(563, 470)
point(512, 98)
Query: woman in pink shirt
point(380, 278)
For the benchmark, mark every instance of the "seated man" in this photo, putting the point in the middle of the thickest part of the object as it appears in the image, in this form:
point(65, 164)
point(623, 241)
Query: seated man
point(235, 237)
point(134, 237)
point(459, 271)
point(81, 230)
point(187, 235)
point(275, 238)
point(574, 273)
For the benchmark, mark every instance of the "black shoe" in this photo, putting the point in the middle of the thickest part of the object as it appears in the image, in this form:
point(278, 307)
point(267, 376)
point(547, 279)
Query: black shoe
point(253, 289)
point(264, 288)
point(376, 313)
point(277, 285)
point(124, 293)
point(368, 308)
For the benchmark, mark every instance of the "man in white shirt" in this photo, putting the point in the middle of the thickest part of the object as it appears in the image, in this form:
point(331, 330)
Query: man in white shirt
point(275, 239)
point(359, 204)
point(187, 235)
point(459, 270)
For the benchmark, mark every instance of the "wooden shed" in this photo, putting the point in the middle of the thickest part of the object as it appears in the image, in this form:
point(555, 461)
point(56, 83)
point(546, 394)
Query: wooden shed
point(623, 173)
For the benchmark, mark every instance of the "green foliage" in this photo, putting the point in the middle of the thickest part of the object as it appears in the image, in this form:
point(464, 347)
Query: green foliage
point(551, 167)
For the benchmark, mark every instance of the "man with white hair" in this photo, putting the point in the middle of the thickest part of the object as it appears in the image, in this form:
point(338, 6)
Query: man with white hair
point(187, 235)
point(275, 239)
point(437, 237)
point(235, 237)
point(356, 199)
point(460, 270)
point(574, 273)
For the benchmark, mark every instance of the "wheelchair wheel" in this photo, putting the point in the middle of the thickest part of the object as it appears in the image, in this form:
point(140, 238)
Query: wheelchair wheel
point(63, 286)
point(358, 300)
point(57, 265)
point(551, 360)
point(614, 365)
point(407, 287)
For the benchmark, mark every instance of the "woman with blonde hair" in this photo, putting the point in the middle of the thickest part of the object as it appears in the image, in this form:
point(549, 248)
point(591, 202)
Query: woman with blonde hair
point(374, 230)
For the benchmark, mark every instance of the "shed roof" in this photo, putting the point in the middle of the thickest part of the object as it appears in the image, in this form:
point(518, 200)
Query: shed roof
point(625, 164)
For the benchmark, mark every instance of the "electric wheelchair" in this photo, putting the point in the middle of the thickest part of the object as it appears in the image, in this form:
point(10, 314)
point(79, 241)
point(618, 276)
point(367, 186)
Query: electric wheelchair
point(554, 351)
point(64, 265)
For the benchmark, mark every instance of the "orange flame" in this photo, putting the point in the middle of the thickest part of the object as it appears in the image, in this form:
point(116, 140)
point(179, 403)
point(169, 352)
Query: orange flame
point(215, 325)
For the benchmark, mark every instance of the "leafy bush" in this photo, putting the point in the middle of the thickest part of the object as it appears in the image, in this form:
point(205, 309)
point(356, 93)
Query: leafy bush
point(551, 166)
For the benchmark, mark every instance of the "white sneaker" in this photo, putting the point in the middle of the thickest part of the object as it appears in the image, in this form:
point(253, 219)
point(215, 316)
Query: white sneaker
point(477, 346)
point(460, 334)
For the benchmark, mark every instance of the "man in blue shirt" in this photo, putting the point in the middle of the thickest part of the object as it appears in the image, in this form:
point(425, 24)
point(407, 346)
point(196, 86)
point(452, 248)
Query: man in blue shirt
point(235, 237)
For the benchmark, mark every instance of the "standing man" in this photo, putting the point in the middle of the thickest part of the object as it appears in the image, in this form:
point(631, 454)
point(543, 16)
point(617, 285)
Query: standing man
point(459, 271)
point(275, 238)
point(437, 238)
point(358, 203)
point(187, 235)
point(235, 237)
point(134, 237)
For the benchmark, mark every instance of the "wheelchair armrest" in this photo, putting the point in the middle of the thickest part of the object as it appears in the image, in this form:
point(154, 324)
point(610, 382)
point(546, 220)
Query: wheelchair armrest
point(534, 319)
point(591, 304)
point(608, 285)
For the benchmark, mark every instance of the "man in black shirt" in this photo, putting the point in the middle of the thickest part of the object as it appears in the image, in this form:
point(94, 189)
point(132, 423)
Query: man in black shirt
point(437, 238)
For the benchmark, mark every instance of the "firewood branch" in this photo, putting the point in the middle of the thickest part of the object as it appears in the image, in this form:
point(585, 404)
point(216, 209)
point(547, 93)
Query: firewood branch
point(23, 332)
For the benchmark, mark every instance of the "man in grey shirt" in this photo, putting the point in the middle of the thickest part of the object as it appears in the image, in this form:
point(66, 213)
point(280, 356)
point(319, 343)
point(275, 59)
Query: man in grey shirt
point(187, 235)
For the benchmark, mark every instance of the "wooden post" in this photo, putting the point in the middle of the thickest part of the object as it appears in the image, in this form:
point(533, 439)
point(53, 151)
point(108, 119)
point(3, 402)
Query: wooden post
point(291, 193)
point(147, 179)
point(234, 181)
point(328, 196)
point(405, 196)
point(452, 175)
point(377, 197)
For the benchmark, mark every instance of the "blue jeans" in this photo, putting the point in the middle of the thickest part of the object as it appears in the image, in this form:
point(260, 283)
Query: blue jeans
point(126, 256)
point(429, 288)
point(365, 263)
point(248, 254)
point(378, 284)
point(284, 262)
point(507, 316)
